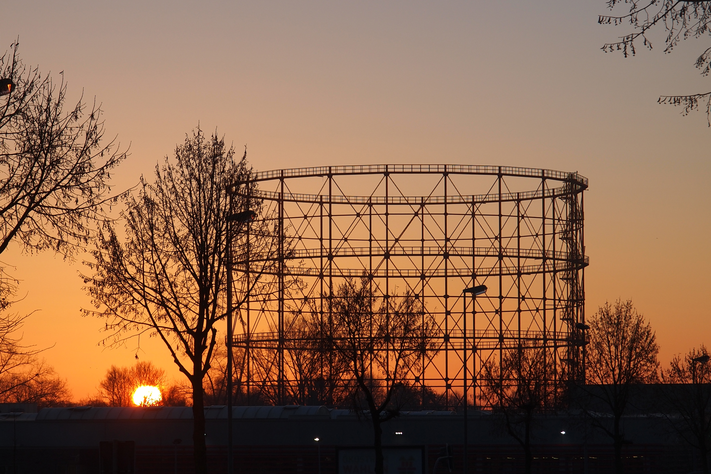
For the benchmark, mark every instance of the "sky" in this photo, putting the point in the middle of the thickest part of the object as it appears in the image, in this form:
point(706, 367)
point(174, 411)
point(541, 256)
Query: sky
point(311, 83)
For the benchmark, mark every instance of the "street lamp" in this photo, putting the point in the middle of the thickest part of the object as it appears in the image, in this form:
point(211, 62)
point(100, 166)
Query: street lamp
point(240, 218)
point(474, 291)
point(702, 359)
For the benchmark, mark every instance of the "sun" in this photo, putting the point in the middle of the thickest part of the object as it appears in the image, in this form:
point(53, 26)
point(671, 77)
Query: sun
point(147, 396)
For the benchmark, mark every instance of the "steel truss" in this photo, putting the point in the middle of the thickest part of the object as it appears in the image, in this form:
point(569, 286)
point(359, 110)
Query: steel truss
point(432, 230)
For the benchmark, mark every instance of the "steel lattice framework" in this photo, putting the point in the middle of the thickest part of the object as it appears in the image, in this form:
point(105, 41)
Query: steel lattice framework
point(431, 230)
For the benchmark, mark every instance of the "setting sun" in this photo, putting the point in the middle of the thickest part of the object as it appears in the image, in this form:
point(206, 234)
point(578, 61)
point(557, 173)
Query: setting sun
point(146, 396)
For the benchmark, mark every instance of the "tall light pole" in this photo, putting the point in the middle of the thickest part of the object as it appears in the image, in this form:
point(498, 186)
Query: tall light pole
point(240, 218)
point(700, 406)
point(474, 291)
point(318, 448)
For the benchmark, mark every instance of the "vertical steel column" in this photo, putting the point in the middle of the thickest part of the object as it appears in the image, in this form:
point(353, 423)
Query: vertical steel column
point(321, 309)
point(387, 273)
point(421, 213)
point(447, 312)
point(518, 265)
point(544, 309)
point(248, 308)
point(501, 278)
point(475, 379)
point(282, 379)
point(464, 381)
point(230, 339)
point(555, 279)
point(372, 274)
point(582, 285)
point(330, 256)
point(248, 336)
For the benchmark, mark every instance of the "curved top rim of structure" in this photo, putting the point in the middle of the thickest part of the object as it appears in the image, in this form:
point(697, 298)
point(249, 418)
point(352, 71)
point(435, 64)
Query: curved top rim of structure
point(321, 171)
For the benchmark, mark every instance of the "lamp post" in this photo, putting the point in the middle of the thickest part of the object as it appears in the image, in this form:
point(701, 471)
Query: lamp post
point(582, 329)
point(700, 405)
point(318, 448)
point(474, 291)
point(176, 442)
point(239, 218)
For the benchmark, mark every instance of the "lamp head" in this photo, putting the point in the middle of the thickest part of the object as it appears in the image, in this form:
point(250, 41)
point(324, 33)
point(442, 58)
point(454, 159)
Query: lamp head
point(242, 217)
point(476, 290)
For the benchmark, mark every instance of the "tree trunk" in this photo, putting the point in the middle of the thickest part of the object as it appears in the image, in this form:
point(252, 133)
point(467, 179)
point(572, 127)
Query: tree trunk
point(528, 453)
point(528, 459)
point(704, 454)
point(199, 447)
point(378, 443)
point(618, 439)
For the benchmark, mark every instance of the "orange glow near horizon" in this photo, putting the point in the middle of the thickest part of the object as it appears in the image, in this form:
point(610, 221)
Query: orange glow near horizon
point(147, 396)
point(357, 83)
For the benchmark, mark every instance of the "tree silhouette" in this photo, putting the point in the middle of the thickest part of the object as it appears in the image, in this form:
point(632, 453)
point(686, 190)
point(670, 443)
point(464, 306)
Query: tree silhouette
point(622, 352)
point(54, 173)
point(319, 376)
point(119, 383)
point(36, 383)
point(524, 385)
point(380, 340)
point(24, 377)
point(54, 166)
point(168, 278)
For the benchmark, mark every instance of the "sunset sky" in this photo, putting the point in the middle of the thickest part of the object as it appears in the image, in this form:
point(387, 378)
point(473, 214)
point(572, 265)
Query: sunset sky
point(309, 83)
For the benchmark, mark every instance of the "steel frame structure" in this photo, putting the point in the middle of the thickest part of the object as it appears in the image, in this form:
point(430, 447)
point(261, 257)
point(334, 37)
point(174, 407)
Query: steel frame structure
point(433, 231)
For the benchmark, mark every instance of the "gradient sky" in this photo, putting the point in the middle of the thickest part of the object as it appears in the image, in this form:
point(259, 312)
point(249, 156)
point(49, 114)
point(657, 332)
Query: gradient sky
point(309, 83)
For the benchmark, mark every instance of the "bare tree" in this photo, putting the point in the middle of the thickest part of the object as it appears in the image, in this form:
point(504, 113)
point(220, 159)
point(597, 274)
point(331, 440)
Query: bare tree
point(524, 385)
point(38, 383)
point(168, 278)
point(689, 399)
point(54, 166)
point(54, 174)
point(24, 377)
point(119, 383)
point(14, 357)
point(380, 341)
point(177, 395)
point(679, 19)
point(622, 353)
point(116, 387)
point(319, 376)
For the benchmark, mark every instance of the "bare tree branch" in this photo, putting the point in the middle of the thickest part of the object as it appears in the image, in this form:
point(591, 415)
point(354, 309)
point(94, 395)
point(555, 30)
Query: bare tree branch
point(54, 166)
point(681, 19)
